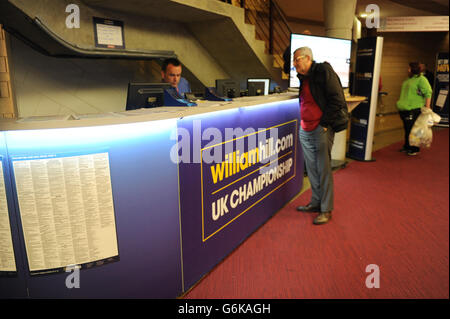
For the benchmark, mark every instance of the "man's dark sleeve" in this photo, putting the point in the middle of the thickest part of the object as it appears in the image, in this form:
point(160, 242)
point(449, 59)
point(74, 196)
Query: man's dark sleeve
point(337, 112)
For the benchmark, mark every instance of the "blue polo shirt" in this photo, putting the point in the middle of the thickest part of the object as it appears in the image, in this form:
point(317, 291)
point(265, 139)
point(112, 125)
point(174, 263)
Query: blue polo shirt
point(183, 87)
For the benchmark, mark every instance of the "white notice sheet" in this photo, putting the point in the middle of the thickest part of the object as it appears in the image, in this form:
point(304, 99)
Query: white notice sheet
point(66, 208)
point(442, 97)
point(7, 260)
point(109, 34)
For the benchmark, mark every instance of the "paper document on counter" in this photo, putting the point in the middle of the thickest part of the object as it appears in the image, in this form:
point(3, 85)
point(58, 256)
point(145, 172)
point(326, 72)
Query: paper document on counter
point(67, 211)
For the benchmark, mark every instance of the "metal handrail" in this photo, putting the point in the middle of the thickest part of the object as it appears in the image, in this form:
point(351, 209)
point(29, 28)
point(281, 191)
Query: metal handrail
point(270, 24)
point(272, 18)
point(282, 15)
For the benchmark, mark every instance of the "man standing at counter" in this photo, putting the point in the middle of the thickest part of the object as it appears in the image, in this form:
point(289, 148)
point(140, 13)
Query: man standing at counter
point(171, 73)
point(323, 112)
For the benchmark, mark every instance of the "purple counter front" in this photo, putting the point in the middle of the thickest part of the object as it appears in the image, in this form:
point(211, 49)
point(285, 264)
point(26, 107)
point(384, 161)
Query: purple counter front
point(246, 164)
point(140, 210)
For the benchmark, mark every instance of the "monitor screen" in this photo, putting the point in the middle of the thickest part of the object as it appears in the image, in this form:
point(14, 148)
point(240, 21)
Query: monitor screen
point(255, 86)
point(228, 88)
point(335, 51)
point(145, 95)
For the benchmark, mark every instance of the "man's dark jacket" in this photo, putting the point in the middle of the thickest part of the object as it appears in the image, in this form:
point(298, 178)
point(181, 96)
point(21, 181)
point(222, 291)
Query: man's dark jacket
point(326, 89)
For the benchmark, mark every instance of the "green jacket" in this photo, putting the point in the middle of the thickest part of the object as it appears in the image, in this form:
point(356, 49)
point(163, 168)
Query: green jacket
point(414, 92)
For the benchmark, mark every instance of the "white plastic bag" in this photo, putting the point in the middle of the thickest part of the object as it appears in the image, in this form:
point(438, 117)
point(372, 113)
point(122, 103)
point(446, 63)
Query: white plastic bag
point(421, 134)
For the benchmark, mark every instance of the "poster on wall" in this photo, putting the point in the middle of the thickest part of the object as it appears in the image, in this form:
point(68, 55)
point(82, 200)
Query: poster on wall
point(7, 259)
point(108, 33)
point(414, 24)
point(66, 210)
point(441, 87)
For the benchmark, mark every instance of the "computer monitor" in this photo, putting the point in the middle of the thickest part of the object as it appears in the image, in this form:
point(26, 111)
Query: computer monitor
point(145, 95)
point(335, 51)
point(228, 88)
point(258, 86)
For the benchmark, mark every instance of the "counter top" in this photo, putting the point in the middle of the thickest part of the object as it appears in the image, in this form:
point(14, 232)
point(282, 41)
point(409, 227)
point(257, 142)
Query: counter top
point(353, 101)
point(150, 114)
point(140, 115)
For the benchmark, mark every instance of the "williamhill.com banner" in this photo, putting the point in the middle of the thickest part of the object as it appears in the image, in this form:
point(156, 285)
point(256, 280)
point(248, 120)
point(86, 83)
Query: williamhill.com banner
point(253, 166)
point(236, 170)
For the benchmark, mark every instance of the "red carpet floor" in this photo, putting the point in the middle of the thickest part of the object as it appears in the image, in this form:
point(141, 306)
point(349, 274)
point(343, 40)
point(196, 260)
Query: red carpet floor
point(393, 212)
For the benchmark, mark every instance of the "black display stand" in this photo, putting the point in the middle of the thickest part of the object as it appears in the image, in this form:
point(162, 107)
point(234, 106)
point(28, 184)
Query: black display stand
point(368, 62)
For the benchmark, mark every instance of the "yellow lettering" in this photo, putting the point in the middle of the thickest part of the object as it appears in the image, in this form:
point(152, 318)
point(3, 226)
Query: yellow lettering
point(244, 164)
point(217, 172)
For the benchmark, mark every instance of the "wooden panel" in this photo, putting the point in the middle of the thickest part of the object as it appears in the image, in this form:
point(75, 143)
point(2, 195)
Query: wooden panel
point(7, 109)
point(3, 68)
point(399, 49)
point(4, 89)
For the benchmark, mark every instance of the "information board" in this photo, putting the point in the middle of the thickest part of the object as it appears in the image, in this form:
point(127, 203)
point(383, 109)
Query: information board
point(66, 208)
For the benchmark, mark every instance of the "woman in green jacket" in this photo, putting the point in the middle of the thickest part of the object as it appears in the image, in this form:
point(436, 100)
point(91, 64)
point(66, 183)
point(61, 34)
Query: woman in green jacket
point(415, 93)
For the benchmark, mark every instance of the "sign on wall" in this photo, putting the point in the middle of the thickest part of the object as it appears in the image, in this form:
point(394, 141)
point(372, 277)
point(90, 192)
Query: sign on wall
point(108, 33)
point(414, 24)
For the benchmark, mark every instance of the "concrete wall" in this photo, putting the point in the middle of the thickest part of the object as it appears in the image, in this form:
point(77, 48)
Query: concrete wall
point(80, 86)
point(221, 30)
point(210, 38)
point(140, 33)
point(54, 86)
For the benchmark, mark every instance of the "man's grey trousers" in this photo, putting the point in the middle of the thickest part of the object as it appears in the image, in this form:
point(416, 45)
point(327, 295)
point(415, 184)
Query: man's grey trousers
point(316, 146)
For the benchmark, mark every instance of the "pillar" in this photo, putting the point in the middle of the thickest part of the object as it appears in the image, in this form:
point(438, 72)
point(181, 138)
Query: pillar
point(339, 17)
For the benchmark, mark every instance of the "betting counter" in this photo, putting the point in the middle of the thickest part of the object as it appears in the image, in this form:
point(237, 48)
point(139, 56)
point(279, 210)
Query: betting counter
point(140, 204)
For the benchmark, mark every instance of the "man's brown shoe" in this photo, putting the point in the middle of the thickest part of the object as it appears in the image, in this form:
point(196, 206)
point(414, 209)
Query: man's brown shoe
point(322, 218)
point(308, 208)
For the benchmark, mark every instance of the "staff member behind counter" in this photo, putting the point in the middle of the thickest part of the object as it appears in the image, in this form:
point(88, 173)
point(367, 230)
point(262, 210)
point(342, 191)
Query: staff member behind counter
point(171, 73)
